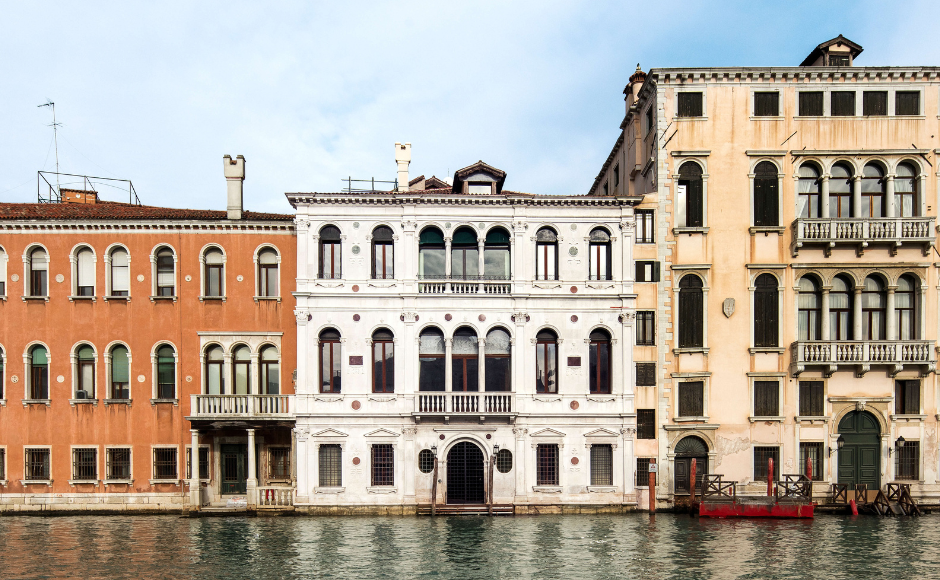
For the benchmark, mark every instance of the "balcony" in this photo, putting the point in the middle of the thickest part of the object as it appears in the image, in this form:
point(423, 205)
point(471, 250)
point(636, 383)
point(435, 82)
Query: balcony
point(860, 355)
point(464, 285)
point(862, 232)
point(482, 405)
point(241, 407)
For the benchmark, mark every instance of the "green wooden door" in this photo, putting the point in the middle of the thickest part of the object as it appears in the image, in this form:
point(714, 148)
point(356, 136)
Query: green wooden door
point(860, 456)
point(234, 469)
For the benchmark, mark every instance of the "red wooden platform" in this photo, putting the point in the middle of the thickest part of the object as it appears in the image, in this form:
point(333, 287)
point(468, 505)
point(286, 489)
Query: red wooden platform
point(755, 510)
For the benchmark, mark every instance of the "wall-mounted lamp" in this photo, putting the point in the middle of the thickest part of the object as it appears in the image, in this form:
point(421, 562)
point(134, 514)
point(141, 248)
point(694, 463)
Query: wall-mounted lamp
point(898, 444)
point(434, 450)
point(496, 449)
point(840, 442)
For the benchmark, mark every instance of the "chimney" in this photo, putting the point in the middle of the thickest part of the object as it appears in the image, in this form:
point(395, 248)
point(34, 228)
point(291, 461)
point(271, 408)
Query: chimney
point(403, 159)
point(235, 178)
point(78, 196)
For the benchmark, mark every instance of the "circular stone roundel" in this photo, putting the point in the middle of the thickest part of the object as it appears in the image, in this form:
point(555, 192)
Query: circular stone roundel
point(356, 225)
point(14, 379)
point(574, 227)
point(448, 317)
point(489, 435)
point(355, 250)
point(239, 277)
point(574, 318)
point(14, 277)
point(442, 437)
point(355, 461)
point(574, 289)
point(59, 278)
point(356, 318)
point(189, 278)
point(355, 288)
point(574, 405)
point(140, 277)
point(574, 461)
point(356, 405)
point(482, 318)
point(60, 379)
point(141, 378)
point(573, 250)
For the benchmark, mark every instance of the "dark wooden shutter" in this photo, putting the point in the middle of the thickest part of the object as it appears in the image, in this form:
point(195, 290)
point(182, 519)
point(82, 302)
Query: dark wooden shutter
point(811, 104)
point(690, 318)
point(691, 395)
point(646, 424)
point(765, 201)
point(766, 311)
point(766, 398)
point(767, 104)
point(811, 399)
point(843, 103)
point(690, 104)
point(645, 374)
point(907, 103)
point(656, 274)
point(693, 203)
point(875, 103)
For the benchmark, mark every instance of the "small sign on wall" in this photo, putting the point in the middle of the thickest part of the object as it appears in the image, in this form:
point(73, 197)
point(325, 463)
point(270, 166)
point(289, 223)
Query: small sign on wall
point(355, 361)
point(574, 361)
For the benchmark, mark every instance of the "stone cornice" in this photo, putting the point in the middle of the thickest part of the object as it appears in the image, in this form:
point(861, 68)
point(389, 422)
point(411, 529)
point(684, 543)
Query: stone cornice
point(460, 199)
point(12, 226)
point(794, 74)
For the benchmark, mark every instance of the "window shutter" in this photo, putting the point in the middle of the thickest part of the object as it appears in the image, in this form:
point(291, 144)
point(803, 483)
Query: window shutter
point(693, 203)
point(811, 104)
point(907, 103)
point(875, 103)
point(119, 366)
point(86, 268)
point(765, 201)
point(645, 374)
point(640, 272)
point(843, 103)
point(655, 272)
point(690, 318)
point(120, 272)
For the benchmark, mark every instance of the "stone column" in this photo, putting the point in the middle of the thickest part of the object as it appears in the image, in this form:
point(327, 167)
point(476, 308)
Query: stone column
point(857, 196)
point(303, 477)
point(520, 353)
point(629, 487)
point(410, 459)
point(195, 487)
point(857, 314)
point(448, 364)
point(254, 376)
point(891, 316)
point(302, 385)
point(826, 332)
point(448, 263)
point(228, 377)
point(252, 470)
point(824, 202)
point(889, 198)
point(481, 365)
point(480, 264)
point(519, 465)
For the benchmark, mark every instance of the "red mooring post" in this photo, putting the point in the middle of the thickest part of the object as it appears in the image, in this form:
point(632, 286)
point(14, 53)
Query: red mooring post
point(652, 489)
point(692, 479)
point(770, 476)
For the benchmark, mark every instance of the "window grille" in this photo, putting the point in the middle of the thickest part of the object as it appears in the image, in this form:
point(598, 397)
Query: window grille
point(426, 461)
point(875, 103)
point(37, 464)
point(838, 60)
point(766, 398)
point(811, 399)
point(813, 452)
point(119, 463)
point(642, 472)
point(164, 463)
point(645, 374)
point(907, 462)
point(691, 399)
point(761, 455)
point(646, 328)
point(811, 104)
point(279, 466)
point(690, 104)
point(907, 397)
point(907, 103)
point(203, 463)
point(547, 464)
point(331, 465)
point(84, 464)
point(645, 229)
point(843, 103)
point(383, 464)
point(602, 465)
point(646, 423)
point(504, 461)
point(767, 104)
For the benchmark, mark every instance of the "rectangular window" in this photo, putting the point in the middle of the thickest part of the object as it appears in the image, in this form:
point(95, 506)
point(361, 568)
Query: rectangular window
point(811, 399)
point(907, 464)
point(602, 465)
point(616, 176)
point(649, 119)
point(279, 463)
point(762, 457)
point(907, 397)
point(811, 104)
point(480, 187)
point(843, 103)
point(647, 271)
point(165, 464)
point(767, 104)
point(383, 464)
point(875, 103)
point(907, 103)
point(766, 398)
point(644, 226)
point(331, 465)
point(203, 463)
point(646, 328)
point(118, 463)
point(646, 423)
point(546, 464)
point(646, 374)
point(692, 399)
point(642, 472)
point(85, 464)
point(839, 60)
point(3, 464)
point(37, 464)
point(813, 454)
point(606, 189)
point(690, 104)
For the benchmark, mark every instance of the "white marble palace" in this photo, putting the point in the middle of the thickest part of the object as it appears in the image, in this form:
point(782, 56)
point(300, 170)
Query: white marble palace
point(466, 330)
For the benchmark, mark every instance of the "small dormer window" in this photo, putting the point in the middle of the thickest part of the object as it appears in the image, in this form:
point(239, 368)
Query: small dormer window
point(839, 60)
point(480, 187)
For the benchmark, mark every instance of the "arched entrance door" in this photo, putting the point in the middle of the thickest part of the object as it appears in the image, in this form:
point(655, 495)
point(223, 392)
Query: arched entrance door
point(860, 456)
point(465, 474)
point(686, 450)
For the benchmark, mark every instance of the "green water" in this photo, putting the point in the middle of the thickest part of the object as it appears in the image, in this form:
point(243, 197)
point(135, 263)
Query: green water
point(577, 547)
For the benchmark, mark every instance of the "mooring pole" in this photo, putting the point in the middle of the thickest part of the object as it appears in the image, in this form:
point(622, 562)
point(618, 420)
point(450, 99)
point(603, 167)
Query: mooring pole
point(434, 490)
point(489, 507)
point(652, 489)
point(770, 476)
point(809, 470)
point(692, 480)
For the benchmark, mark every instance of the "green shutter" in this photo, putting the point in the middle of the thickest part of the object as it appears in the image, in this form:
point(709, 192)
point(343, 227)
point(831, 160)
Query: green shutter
point(497, 236)
point(464, 236)
point(39, 356)
point(120, 369)
point(431, 236)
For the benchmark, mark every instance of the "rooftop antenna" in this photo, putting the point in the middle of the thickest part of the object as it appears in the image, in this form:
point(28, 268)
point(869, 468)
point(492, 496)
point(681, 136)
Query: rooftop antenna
point(55, 135)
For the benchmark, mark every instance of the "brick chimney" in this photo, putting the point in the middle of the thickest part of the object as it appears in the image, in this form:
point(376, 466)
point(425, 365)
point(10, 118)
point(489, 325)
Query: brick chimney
point(403, 159)
point(78, 196)
point(235, 179)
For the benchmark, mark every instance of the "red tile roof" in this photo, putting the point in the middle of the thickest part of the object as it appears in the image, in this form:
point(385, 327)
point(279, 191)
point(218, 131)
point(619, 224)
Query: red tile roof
point(107, 210)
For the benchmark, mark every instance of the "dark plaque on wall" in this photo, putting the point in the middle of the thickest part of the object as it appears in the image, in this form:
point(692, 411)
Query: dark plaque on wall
point(574, 361)
point(355, 361)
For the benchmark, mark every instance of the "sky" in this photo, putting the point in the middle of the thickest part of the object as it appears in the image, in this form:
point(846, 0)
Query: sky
point(313, 92)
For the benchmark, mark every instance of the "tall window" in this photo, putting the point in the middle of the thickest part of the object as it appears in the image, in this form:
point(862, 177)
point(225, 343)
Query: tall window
point(38, 273)
point(2, 377)
point(875, 103)
point(907, 103)
point(431, 254)
point(464, 255)
point(646, 423)
point(812, 453)
point(602, 465)
point(812, 402)
point(907, 397)
point(38, 373)
point(599, 367)
point(905, 308)
point(767, 104)
point(267, 273)
point(690, 104)
point(874, 307)
point(766, 194)
point(691, 210)
point(331, 465)
point(3, 273)
point(383, 253)
point(762, 457)
point(214, 272)
point(270, 371)
point(85, 272)
point(692, 399)
point(331, 361)
point(120, 273)
point(166, 372)
point(498, 367)
point(645, 228)
point(811, 104)
point(810, 204)
point(873, 191)
point(166, 272)
point(202, 455)
point(279, 463)
point(215, 379)
point(766, 398)
point(383, 361)
point(600, 254)
point(496, 259)
point(85, 373)
point(431, 360)
point(646, 327)
point(120, 373)
point(330, 253)
point(546, 362)
point(646, 374)
point(241, 370)
point(383, 464)
point(766, 309)
point(840, 191)
point(465, 361)
point(907, 462)
point(843, 103)
point(840, 309)
point(546, 254)
point(809, 315)
point(690, 312)
point(546, 458)
point(905, 191)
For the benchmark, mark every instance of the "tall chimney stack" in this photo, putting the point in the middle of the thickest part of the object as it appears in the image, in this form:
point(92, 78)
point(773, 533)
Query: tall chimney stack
point(235, 180)
point(403, 159)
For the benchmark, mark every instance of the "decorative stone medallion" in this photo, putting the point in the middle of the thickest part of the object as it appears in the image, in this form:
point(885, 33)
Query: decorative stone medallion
point(239, 278)
point(140, 277)
point(141, 378)
point(574, 405)
point(15, 277)
point(59, 278)
point(355, 250)
point(574, 461)
point(60, 379)
point(356, 405)
point(189, 278)
point(573, 251)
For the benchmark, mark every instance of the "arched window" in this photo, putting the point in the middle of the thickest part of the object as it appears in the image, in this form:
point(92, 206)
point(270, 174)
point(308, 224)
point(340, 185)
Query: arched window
point(840, 191)
point(810, 200)
point(840, 309)
point(38, 373)
point(809, 317)
point(84, 272)
point(267, 273)
point(691, 324)
point(214, 273)
point(498, 364)
point(599, 367)
point(166, 272)
point(766, 311)
point(873, 191)
point(166, 372)
point(120, 373)
point(496, 255)
point(2, 376)
point(599, 250)
point(38, 273)
point(431, 361)
point(120, 273)
point(383, 361)
point(383, 253)
point(3, 272)
point(241, 370)
point(270, 371)
point(464, 361)
point(905, 191)
point(331, 361)
point(464, 255)
point(85, 372)
point(330, 253)
point(546, 254)
point(431, 254)
point(766, 192)
point(905, 307)
point(874, 306)
point(546, 362)
point(691, 210)
point(215, 379)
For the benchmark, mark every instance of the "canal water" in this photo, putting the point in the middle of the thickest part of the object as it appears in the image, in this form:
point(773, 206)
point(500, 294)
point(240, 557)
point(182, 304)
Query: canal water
point(465, 548)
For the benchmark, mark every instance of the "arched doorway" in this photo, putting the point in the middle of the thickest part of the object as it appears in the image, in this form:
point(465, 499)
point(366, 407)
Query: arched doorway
point(688, 449)
point(860, 456)
point(465, 474)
